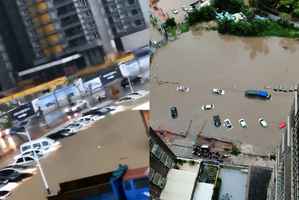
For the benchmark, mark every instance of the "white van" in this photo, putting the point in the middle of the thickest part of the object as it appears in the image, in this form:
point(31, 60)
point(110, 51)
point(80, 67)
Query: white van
point(44, 144)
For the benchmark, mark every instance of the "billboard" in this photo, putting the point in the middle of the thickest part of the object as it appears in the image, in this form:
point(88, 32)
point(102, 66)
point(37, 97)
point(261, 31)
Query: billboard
point(22, 112)
point(109, 75)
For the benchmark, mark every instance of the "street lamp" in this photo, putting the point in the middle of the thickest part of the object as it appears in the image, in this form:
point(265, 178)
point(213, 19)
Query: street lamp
point(130, 84)
point(38, 163)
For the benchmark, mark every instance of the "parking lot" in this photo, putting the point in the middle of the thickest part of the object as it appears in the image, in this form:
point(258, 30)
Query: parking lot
point(205, 60)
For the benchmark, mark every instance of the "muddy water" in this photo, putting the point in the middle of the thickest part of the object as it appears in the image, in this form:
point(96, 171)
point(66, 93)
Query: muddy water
point(205, 60)
point(94, 151)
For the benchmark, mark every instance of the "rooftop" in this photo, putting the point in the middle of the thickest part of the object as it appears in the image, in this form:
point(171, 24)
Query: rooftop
point(185, 177)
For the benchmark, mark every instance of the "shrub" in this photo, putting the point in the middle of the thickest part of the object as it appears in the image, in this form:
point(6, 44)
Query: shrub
point(235, 150)
point(231, 6)
point(170, 23)
point(206, 13)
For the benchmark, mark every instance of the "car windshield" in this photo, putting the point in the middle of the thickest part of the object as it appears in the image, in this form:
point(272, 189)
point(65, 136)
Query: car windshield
point(3, 193)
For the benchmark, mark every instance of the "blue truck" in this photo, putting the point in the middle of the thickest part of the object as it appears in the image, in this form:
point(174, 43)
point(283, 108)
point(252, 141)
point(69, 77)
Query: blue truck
point(262, 94)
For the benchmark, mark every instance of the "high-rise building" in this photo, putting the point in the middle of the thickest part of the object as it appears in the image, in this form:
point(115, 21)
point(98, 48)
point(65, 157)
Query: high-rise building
point(82, 31)
point(284, 184)
point(52, 38)
point(162, 159)
point(15, 48)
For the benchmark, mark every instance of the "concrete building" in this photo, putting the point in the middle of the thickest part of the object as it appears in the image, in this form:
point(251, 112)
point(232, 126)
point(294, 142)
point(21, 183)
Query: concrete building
point(14, 45)
point(162, 159)
point(82, 32)
point(284, 183)
point(46, 39)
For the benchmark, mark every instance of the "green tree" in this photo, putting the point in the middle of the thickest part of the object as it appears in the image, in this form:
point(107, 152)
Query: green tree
point(170, 23)
point(231, 6)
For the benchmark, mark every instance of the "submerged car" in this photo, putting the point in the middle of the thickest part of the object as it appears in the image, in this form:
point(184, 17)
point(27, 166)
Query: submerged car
point(208, 107)
point(263, 122)
point(227, 124)
point(217, 120)
point(173, 112)
point(174, 11)
point(218, 91)
point(243, 123)
point(262, 94)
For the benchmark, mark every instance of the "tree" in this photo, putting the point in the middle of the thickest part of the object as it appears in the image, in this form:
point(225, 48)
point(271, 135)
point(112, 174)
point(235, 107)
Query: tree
point(231, 6)
point(170, 23)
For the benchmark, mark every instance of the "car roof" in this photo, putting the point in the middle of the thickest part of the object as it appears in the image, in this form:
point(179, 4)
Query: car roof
point(38, 141)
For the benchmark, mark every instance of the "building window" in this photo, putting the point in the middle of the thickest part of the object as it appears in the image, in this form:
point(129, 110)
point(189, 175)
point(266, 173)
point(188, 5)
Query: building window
point(131, 2)
point(138, 22)
point(134, 12)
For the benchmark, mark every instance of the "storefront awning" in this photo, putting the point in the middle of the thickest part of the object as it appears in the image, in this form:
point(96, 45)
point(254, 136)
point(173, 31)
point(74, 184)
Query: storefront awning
point(49, 65)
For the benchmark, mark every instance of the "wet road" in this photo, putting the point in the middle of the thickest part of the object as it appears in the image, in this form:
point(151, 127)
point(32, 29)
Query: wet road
point(205, 60)
point(94, 151)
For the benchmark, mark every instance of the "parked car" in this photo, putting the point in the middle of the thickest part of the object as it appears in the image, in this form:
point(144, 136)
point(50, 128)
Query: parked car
point(77, 106)
point(132, 96)
point(26, 160)
point(173, 112)
point(31, 152)
point(13, 175)
point(45, 144)
point(62, 133)
point(217, 120)
point(99, 111)
point(208, 107)
point(174, 11)
point(263, 122)
point(85, 120)
point(262, 94)
point(227, 124)
point(218, 91)
point(75, 127)
point(125, 82)
point(6, 189)
point(243, 123)
point(184, 8)
point(282, 125)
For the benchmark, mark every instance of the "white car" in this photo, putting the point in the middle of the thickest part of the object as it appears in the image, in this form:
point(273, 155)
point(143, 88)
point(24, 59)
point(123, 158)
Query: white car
point(31, 152)
point(85, 120)
point(174, 11)
point(6, 189)
point(263, 122)
point(132, 96)
point(218, 91)
point(227, 124)
point(243, 123)
point(74, 127)
point(27, 161)
point(184, 8)
point(79, 105)
point(208, 107)
point(47, 145)
point(190, 10)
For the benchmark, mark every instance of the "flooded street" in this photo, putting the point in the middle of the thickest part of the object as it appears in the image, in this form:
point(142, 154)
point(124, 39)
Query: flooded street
point(94, 151)
point(205, 60)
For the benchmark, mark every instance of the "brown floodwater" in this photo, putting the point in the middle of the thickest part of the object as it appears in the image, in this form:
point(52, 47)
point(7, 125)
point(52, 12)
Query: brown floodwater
point(97, 150)
point(204, 60)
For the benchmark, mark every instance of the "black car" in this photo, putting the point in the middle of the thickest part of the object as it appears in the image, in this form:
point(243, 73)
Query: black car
point(125, 82)
point(98, 112)
point(11, 175)
point(174, 112)
point(217, 120)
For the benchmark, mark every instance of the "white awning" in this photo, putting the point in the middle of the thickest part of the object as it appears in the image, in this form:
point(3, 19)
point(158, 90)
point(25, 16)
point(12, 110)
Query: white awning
point(49, 65)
